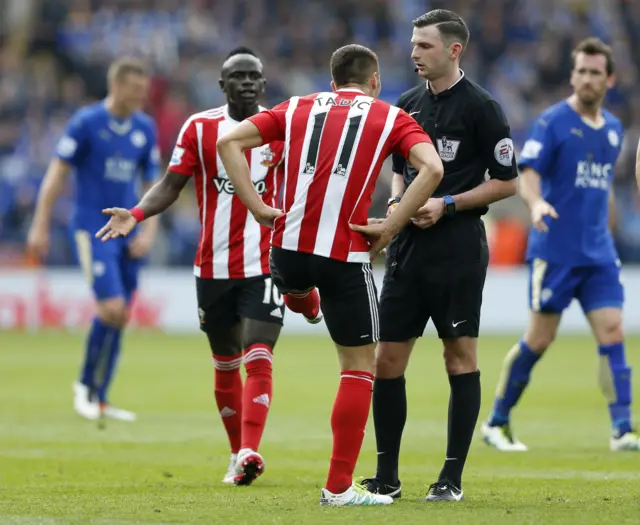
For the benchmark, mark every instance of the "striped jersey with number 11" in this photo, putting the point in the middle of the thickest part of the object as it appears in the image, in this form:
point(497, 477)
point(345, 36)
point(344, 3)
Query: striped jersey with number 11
point(232, 244)
point(335, 144)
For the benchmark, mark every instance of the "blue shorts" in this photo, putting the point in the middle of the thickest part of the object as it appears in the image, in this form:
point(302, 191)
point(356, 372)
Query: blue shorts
point(552, 287)
point(107, 266)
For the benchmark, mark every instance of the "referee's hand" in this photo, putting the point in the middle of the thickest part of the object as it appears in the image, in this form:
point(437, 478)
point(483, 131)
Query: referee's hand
point(377, 234)
point(539, 211)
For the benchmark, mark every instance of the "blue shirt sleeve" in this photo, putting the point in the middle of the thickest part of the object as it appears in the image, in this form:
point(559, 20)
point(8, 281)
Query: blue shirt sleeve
point(74, 144)
point(539, 151)
point(150, 162)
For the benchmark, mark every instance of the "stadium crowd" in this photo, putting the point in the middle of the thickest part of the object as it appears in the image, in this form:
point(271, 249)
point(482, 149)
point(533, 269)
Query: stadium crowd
point(54, 53)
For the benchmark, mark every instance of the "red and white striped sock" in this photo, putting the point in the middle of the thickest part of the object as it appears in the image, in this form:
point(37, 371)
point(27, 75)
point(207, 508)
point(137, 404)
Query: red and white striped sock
point(258, 391)
point(348, 422)
point(228, 393)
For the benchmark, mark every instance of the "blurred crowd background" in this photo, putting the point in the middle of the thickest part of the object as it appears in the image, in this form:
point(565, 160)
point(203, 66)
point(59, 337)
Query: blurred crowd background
point(54, 53)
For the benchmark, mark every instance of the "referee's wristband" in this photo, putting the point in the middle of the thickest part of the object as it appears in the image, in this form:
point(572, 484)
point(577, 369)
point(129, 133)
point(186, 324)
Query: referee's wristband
point(392, 201)
point(138, 214)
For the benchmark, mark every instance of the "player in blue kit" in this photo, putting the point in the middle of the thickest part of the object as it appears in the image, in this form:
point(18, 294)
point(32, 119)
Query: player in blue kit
point(567, 169)
point(110, 145)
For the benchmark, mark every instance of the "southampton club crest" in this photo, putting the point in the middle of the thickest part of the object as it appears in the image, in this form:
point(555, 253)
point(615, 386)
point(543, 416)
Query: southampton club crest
point(268, 157)
point(448, 148)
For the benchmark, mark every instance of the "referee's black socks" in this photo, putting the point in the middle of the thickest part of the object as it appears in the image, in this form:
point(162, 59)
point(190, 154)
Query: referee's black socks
point(464, 407)
point(389, 417)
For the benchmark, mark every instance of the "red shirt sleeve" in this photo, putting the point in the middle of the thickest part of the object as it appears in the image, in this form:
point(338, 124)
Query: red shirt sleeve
point(271, 123)
point(406, 133)
point(184, 159)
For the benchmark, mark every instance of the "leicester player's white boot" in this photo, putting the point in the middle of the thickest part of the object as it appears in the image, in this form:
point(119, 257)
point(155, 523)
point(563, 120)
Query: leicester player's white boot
point(119, 414)
point(627, 441)
point(83, 403)
point(501, 438)
point(354, 495)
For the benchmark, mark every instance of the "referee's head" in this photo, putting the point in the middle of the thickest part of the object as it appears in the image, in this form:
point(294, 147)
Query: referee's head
point(439, 38)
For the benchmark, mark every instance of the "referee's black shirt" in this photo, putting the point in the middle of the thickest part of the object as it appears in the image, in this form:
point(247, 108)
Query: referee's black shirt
point(472, 135)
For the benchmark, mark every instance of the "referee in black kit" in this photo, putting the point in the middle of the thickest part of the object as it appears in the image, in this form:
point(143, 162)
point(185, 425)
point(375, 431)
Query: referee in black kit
point(436, 267)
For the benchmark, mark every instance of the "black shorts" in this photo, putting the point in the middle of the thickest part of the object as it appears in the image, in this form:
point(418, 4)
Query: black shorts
point(418, 287)
point(348, 295)
point(223, 302)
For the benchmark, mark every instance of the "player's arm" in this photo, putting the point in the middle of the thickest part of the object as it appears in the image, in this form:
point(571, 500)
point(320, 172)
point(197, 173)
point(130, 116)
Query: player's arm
point(70, 150)
point(424, 158)
point(150, 167)
point(612, 209)
point(638, 165)
point(398, 163)
point(494, 137)
point(409, 140)
point(161, 195)
point(263, 128)
point(397, 181)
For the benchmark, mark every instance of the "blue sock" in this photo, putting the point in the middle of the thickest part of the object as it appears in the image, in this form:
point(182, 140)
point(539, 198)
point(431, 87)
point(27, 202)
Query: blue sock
point(514, 379)
point(95, 344)
point(107, 365)
point(615, 382)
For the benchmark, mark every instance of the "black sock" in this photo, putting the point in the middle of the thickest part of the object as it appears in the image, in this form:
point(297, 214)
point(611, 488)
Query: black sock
point(464, 407)
point(389, 417)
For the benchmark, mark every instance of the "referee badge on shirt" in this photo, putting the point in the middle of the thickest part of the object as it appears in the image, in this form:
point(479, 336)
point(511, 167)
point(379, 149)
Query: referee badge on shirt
point(447, 148)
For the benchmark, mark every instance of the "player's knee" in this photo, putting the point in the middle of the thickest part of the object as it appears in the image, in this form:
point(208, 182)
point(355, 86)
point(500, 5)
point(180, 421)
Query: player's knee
point(358, 357)
point(460, 363)
point(390, 363)
point(460, 355)
point(225, 344)
point(611, 333)
point(260, 332)
point(538, 342)
point(113, 312)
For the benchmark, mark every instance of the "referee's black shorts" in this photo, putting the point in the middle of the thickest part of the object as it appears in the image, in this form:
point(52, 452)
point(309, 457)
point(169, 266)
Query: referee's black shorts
point(437, 275)
point(348, 295)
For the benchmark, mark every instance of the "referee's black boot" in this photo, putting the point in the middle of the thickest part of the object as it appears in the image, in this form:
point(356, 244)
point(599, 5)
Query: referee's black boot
point(444, 490)
point(376, 486)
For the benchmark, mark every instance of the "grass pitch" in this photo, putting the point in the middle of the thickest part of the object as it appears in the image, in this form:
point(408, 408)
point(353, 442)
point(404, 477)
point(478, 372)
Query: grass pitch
point(166, 468)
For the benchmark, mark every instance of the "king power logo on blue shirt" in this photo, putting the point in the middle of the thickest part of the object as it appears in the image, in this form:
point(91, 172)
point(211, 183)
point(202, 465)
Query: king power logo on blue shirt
point(593, 175)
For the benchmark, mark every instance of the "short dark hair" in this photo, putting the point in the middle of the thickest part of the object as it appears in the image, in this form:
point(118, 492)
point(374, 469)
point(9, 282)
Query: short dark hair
point(450, 25)
point(124, 66)
point(353, 64)
point(240, 50)
point(594, 46)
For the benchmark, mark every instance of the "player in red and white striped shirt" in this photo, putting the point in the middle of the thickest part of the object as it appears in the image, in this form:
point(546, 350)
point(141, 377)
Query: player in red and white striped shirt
point(335, 144)
point(239, 307)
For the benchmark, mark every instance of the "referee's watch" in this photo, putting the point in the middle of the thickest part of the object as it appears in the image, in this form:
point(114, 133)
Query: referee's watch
point(393, 200)
point(449, 206)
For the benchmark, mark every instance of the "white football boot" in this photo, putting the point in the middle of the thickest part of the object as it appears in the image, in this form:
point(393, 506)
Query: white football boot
point(501, 438)
point(230, 476)
point(354, 495)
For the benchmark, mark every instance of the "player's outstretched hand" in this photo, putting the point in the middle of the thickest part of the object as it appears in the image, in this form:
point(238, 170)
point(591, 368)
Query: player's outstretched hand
point(429, 214)
point(266, 215)
point(121, 224)
point(539, 211)
point(377, 234)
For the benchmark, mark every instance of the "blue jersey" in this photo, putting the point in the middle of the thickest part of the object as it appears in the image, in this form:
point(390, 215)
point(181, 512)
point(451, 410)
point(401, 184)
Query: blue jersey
point(110, 156)
point(575, 161)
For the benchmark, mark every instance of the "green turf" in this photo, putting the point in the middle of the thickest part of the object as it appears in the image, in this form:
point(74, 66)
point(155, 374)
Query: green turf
point(58, 469)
